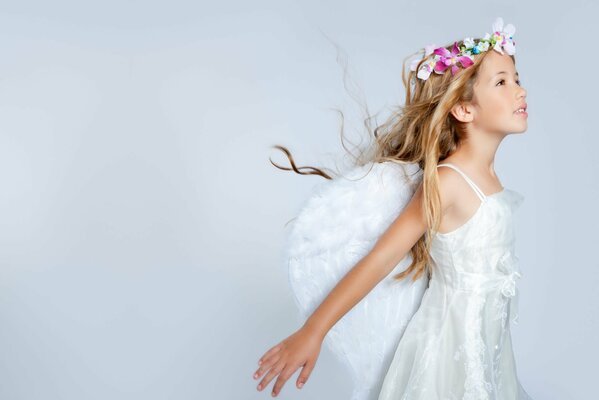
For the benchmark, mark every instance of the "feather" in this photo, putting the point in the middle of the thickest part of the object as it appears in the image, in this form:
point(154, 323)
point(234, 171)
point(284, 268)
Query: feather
point(336, 227)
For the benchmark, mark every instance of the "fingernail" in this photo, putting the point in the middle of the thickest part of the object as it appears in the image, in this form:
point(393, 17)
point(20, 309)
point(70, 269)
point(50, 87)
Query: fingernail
point(273, 394)
point(300, 384)
point(259, 386)
point(260, 362)
point(255, 376)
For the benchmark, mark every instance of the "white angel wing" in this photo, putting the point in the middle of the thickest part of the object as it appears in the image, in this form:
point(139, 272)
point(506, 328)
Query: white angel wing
point(338, 225)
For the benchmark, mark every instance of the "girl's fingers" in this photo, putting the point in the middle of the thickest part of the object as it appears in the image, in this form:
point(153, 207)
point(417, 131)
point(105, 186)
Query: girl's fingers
point(266, 365)
point(270, 352)
point(268, 360)
point(283, 377)
point(276, 369)
point(305, 374)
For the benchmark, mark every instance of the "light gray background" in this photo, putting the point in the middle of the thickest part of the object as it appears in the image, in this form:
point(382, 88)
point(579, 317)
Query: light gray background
point(141, 223)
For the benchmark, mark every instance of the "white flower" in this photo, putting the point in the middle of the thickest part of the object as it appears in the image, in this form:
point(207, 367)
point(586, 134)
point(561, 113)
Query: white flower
point(428, 50)
point(509, 47)
point(497, 47)
point(509, 30)
point(498, 25)
point(414, 64)
point(424, 72)
point(505, 35)
point(469, 42)
point(426, 68)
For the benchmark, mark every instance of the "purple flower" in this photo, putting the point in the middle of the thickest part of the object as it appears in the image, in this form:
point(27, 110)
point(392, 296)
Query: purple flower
point(452, 59)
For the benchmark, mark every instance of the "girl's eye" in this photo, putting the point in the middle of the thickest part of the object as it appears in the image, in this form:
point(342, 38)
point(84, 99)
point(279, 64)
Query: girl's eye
point(503, 80)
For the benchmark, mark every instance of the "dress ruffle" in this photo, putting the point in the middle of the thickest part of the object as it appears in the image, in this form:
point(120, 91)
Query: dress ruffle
point(509, 266)
point(515, 198)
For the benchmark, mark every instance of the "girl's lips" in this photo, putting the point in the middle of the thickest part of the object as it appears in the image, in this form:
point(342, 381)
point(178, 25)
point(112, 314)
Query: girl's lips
point(522, 114)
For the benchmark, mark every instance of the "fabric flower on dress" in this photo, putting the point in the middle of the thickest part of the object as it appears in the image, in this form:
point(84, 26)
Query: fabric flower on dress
point(508, 266)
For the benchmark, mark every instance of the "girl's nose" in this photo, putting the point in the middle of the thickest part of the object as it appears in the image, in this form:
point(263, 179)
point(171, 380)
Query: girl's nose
point(522, 92)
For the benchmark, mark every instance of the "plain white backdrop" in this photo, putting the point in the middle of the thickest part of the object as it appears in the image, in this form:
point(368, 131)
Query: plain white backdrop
point(142, 224)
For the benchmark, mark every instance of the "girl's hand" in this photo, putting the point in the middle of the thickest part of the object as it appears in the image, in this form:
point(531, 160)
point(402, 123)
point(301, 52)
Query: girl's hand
point(298, 350)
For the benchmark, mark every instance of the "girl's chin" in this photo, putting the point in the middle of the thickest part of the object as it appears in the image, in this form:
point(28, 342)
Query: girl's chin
point(521, 130)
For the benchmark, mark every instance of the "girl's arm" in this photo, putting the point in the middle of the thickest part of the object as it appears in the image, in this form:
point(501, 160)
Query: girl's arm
point(388, 251)
point(302, 348)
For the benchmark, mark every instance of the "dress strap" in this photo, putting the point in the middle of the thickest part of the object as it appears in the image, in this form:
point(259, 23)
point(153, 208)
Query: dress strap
point(476, 189)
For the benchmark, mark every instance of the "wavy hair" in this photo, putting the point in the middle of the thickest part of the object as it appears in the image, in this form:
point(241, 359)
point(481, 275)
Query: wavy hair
point(422, 131)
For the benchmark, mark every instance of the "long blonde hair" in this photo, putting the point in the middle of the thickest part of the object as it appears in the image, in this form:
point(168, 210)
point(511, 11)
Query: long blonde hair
point(421, 131)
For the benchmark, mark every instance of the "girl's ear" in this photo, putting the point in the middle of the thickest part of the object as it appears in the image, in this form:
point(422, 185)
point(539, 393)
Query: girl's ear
point(462, 112)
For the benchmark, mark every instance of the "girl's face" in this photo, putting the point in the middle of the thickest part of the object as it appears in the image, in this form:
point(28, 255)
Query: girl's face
point(497, 96)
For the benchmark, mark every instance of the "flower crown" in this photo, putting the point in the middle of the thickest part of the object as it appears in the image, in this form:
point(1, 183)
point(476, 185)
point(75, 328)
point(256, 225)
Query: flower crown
point(443, 58)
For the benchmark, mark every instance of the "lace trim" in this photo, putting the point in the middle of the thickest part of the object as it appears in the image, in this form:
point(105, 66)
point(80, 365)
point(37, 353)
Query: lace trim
point(475, 385)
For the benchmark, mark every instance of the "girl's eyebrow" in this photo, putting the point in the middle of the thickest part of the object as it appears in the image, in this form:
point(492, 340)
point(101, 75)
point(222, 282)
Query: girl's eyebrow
point(503, 72)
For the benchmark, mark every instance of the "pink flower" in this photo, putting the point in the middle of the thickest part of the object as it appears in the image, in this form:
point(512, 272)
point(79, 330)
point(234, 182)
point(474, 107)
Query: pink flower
point(452, 58)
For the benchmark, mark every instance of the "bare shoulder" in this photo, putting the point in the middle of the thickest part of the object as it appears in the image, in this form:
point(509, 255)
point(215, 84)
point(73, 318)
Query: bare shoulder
point(449, 181)
point(458, 201)
point(411, 223)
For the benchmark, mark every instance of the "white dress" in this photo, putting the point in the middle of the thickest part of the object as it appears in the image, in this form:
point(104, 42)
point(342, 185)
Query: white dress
point(458, 346)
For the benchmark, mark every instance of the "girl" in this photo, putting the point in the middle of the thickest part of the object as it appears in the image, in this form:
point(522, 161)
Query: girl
point(457, 227)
